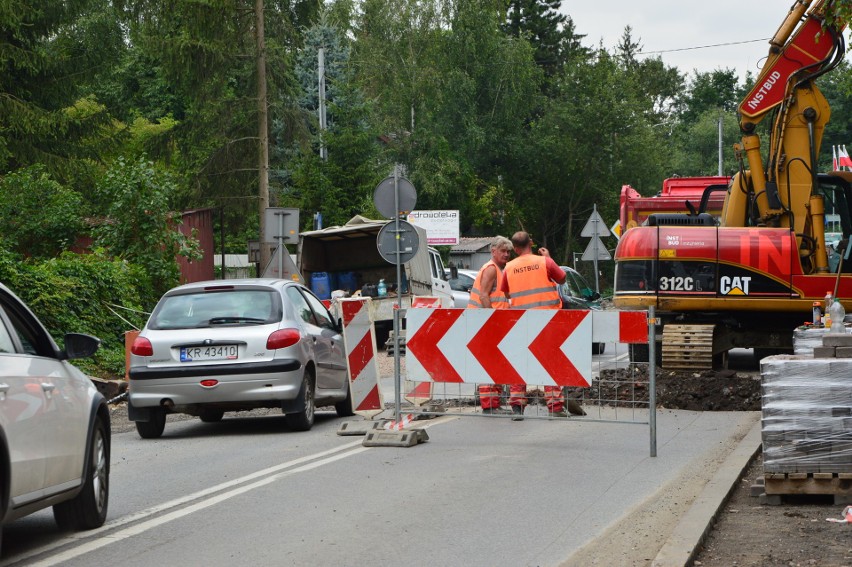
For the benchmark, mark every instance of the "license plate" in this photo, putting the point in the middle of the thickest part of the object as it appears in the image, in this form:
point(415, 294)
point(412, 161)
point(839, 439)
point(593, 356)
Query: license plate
point(218, 352)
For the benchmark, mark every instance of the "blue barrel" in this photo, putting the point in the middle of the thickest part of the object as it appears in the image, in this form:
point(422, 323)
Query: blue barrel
point(321, 285)
point(347, 281)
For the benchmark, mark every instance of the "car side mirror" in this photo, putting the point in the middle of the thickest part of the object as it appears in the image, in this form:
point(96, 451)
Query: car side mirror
point(454, 272)
point(590, 295)
point(78, 345)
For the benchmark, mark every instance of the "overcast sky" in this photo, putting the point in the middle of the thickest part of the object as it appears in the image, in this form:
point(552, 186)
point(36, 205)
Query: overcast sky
point(665, 25)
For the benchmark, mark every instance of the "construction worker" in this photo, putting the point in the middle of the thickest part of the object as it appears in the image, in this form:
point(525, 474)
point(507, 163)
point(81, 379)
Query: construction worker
point(485, 295)
point(529, 281)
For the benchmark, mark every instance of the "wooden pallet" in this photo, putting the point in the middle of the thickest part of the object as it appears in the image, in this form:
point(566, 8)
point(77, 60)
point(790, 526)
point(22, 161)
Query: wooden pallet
point(688, 347)
point(837, 484)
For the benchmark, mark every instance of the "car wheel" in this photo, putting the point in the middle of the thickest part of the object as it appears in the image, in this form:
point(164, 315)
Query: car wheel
point(88, 509)
point(153, 428)
point(344, 408)
point(598, 348)
point(208, 415)
point(304, 420)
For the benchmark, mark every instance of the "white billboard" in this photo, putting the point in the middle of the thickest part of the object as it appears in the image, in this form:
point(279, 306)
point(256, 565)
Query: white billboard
point(442, 227)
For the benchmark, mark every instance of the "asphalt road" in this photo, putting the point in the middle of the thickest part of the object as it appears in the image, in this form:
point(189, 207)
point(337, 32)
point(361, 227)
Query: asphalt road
point(482, 491)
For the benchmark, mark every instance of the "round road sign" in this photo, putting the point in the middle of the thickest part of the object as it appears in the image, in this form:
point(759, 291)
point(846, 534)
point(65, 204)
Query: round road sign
point(384, 200)
point(409, 242)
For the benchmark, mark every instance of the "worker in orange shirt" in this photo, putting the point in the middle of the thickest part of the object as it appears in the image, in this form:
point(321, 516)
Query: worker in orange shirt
point(529, 281)
point(485, 295)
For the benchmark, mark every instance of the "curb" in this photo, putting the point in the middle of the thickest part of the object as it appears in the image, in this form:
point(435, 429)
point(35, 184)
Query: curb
point(683, 543)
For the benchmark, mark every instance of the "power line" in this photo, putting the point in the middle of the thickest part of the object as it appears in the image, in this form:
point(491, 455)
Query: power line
point(701, 46)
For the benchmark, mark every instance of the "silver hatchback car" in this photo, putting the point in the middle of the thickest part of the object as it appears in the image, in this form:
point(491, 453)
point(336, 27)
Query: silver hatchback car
point(230, 345)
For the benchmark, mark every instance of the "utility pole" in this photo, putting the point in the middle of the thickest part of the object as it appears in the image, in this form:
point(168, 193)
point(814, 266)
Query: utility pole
point(322, 118)
point(263, 132)
point(721, 168)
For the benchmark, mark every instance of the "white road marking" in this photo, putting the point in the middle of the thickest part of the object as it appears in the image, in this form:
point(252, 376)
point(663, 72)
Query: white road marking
point(321, 458)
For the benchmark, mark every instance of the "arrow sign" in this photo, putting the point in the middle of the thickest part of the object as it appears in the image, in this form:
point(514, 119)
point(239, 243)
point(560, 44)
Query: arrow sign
point(423, 344)
point(504, 346)
point(596, 251)
point(595, 226)
point(546, 348)
point(485, 346)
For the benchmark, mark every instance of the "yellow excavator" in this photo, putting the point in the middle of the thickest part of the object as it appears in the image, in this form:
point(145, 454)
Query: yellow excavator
point(748, 279)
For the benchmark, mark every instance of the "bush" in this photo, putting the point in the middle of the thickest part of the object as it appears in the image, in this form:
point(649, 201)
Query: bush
point(83, 293)
point(38, 216)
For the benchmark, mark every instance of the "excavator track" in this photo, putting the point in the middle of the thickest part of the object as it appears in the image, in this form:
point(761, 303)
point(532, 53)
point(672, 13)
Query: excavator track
point(688, 347)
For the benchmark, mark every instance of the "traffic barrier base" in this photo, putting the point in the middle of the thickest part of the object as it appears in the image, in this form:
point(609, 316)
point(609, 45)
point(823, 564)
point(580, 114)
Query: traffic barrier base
point(395, 438)
point(360, 427)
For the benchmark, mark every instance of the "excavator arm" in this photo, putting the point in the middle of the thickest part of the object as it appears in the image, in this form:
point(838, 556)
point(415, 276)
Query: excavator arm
point(781, 193)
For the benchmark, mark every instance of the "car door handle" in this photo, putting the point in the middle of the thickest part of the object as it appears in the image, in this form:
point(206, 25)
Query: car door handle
point(48, 387)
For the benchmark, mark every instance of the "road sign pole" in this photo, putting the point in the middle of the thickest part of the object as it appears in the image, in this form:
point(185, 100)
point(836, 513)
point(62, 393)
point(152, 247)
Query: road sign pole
point(596, 240)
point(397, 395)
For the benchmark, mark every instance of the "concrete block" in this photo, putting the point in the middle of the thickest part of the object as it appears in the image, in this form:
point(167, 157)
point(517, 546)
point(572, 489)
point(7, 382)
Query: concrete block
point(402, 438)
point(843, 352)
point(824, 352)
point(837, 340)
point(360, 427)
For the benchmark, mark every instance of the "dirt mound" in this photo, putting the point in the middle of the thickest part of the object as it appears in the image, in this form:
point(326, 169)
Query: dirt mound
point(723, 390)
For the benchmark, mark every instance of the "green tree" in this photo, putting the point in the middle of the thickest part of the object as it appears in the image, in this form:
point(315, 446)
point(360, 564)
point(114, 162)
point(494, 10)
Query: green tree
point(207, 54)
point(341, 185)
point(39, 217)
point(551, 33)
point(655, 82)
point(139, 225)
point(592, 138)
point(47, 50)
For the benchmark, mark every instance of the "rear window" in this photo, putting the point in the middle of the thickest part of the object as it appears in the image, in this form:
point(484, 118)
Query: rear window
point(206, 309)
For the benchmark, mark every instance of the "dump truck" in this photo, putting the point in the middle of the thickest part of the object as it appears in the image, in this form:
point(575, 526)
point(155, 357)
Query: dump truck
point(677, 195)
point(346, 258)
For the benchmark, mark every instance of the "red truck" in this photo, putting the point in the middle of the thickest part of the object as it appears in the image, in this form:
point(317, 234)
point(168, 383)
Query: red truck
point(634, 208)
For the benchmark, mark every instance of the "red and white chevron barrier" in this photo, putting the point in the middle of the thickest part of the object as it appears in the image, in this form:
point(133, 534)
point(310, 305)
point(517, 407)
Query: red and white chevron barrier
point(420, 393)
point(629, 327)
point(360, 343)
point(508, 346)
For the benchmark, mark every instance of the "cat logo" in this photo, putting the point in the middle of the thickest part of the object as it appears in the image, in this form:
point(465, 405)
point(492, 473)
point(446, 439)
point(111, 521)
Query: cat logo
point(734, 285)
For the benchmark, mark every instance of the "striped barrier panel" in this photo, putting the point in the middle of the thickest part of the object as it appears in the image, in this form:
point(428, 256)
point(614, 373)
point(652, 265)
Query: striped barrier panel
point(359, 338)
point(420, 393)
point(506, 346)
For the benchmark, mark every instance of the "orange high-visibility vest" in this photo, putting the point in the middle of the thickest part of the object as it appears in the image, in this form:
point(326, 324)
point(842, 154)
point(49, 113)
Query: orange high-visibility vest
point(498, 298)
point(529, 285)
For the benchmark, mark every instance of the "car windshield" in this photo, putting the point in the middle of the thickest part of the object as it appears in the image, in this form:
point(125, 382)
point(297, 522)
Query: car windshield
point(580, 283)
point(569, 287)
point(205, 309)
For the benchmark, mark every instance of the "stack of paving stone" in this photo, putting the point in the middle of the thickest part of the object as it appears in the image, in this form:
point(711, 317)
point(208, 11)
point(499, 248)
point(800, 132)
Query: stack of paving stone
point(834, 345)
point(806, 338)
point(807, 409)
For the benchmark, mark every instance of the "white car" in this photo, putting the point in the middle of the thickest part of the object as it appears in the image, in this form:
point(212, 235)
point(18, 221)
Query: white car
point(461, 285)
point(229, 345)
point(54, 424)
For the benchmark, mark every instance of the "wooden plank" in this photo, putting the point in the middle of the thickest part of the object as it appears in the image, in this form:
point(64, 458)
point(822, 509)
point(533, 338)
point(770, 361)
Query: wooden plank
point(808, 483)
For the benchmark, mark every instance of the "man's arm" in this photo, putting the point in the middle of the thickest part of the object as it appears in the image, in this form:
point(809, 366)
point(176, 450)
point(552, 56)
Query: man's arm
point(554, 272)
